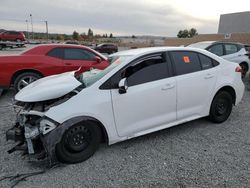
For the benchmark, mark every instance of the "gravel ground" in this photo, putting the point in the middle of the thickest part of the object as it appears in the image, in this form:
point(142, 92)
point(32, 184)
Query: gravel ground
point(195, 154)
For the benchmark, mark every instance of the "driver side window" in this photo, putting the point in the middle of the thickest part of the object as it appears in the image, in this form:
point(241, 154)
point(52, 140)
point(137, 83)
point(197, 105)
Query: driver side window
point(148, 70)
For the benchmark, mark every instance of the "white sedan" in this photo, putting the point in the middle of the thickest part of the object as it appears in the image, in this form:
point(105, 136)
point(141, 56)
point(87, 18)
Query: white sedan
point(235, 52)
point(142, 91)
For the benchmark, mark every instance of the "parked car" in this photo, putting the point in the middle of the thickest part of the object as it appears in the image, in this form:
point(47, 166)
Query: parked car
point(142, 91)
point(71, 42)
point(12, 36)
point(235, 52)
point(45, 60)
point(106, 48)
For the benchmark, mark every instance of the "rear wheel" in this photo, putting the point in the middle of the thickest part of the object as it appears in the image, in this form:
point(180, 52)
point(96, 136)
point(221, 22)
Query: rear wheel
point(25, 79)
point(221, 107)
point(79, 142)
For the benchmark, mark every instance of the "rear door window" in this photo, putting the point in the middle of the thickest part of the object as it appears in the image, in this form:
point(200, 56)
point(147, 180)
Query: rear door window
point(206, 62)
point(230, 48)
point(185, 62)
point(216, 49)
point(78, 54)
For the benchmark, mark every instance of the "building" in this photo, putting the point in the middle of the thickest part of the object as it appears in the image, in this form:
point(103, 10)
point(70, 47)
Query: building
point(234, 23)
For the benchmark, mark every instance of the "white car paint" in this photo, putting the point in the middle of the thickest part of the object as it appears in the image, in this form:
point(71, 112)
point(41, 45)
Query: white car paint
point(201, 45)
point(147, 107)
point(47, 88)
point(238, 57)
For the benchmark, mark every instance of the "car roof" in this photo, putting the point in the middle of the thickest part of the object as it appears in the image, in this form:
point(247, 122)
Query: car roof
point(148, 50)
point(202, 44)
point(227, 42)
point(106, 44)
point(139, 51)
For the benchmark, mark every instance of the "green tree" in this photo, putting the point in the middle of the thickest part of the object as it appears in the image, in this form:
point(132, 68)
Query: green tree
point(187, 33)
point(75, 35)
point(67, 37)
point(90, 33)
point(192, 32)
point(111, 35)
point(183, 34)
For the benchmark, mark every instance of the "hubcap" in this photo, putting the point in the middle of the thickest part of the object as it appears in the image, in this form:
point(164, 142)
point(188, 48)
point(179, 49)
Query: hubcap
point(77, 139)
point(25, 81)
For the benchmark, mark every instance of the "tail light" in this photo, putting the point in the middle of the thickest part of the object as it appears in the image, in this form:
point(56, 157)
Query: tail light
point(238, 69)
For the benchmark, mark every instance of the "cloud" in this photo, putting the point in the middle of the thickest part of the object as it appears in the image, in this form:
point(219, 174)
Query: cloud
point(141, 17)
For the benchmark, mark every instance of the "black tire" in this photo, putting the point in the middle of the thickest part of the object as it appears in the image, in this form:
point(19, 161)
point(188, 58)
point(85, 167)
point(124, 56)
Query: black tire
point(221, 107)
point(29, 76)
point(79, 142)
point(244, 68)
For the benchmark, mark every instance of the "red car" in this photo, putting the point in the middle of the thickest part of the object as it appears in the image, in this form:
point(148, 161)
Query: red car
point(12, 36)
point(44, 60)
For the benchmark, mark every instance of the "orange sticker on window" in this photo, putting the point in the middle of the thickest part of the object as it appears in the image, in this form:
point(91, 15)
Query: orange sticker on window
point(186, 59)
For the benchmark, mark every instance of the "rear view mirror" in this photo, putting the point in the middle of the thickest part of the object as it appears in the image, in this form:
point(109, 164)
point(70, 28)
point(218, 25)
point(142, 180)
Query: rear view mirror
point(123, 86)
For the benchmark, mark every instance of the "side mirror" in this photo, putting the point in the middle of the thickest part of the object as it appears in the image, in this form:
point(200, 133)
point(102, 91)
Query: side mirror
point(123, 86)
point(98, 59)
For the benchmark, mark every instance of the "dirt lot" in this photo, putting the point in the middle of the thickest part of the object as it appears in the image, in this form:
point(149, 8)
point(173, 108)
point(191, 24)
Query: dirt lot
point(195, 154)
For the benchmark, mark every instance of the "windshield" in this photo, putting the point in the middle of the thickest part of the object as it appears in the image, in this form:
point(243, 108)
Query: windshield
point(90, 77)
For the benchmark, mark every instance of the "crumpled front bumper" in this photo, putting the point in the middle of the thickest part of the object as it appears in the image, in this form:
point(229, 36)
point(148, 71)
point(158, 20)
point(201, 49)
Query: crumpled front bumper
point(31, 141)
point(44, 145)
point(27, 138)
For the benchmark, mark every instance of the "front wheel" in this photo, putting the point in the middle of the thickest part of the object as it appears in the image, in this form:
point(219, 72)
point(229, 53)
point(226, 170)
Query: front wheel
point(79, 142)
point(25, 79)
point(221, 107)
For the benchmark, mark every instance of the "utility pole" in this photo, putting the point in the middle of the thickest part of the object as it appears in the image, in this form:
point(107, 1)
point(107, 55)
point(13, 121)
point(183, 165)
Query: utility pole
point(27, 28)
point(47, 30)
point(32, 26)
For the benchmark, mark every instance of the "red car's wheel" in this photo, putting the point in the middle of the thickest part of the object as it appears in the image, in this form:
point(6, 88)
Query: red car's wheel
point(25, 79)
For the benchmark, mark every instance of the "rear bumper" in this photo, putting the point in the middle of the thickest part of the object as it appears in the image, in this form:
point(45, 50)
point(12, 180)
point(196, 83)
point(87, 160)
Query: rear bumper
point(240, 89)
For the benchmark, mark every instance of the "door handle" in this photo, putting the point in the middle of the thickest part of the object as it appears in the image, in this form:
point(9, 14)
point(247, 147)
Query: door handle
point(208, 76)
point(167, 87)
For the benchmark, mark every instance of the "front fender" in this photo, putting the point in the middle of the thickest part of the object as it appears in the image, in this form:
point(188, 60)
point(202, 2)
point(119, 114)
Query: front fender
point(54, 137)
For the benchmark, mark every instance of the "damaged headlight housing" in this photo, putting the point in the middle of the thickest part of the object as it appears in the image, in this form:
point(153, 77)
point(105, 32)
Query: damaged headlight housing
point(47, 125)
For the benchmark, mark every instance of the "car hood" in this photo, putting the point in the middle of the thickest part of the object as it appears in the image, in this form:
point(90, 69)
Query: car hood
point(48, 88)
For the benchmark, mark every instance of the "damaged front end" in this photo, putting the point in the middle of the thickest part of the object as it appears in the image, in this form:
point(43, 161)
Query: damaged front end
point(32, 127)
